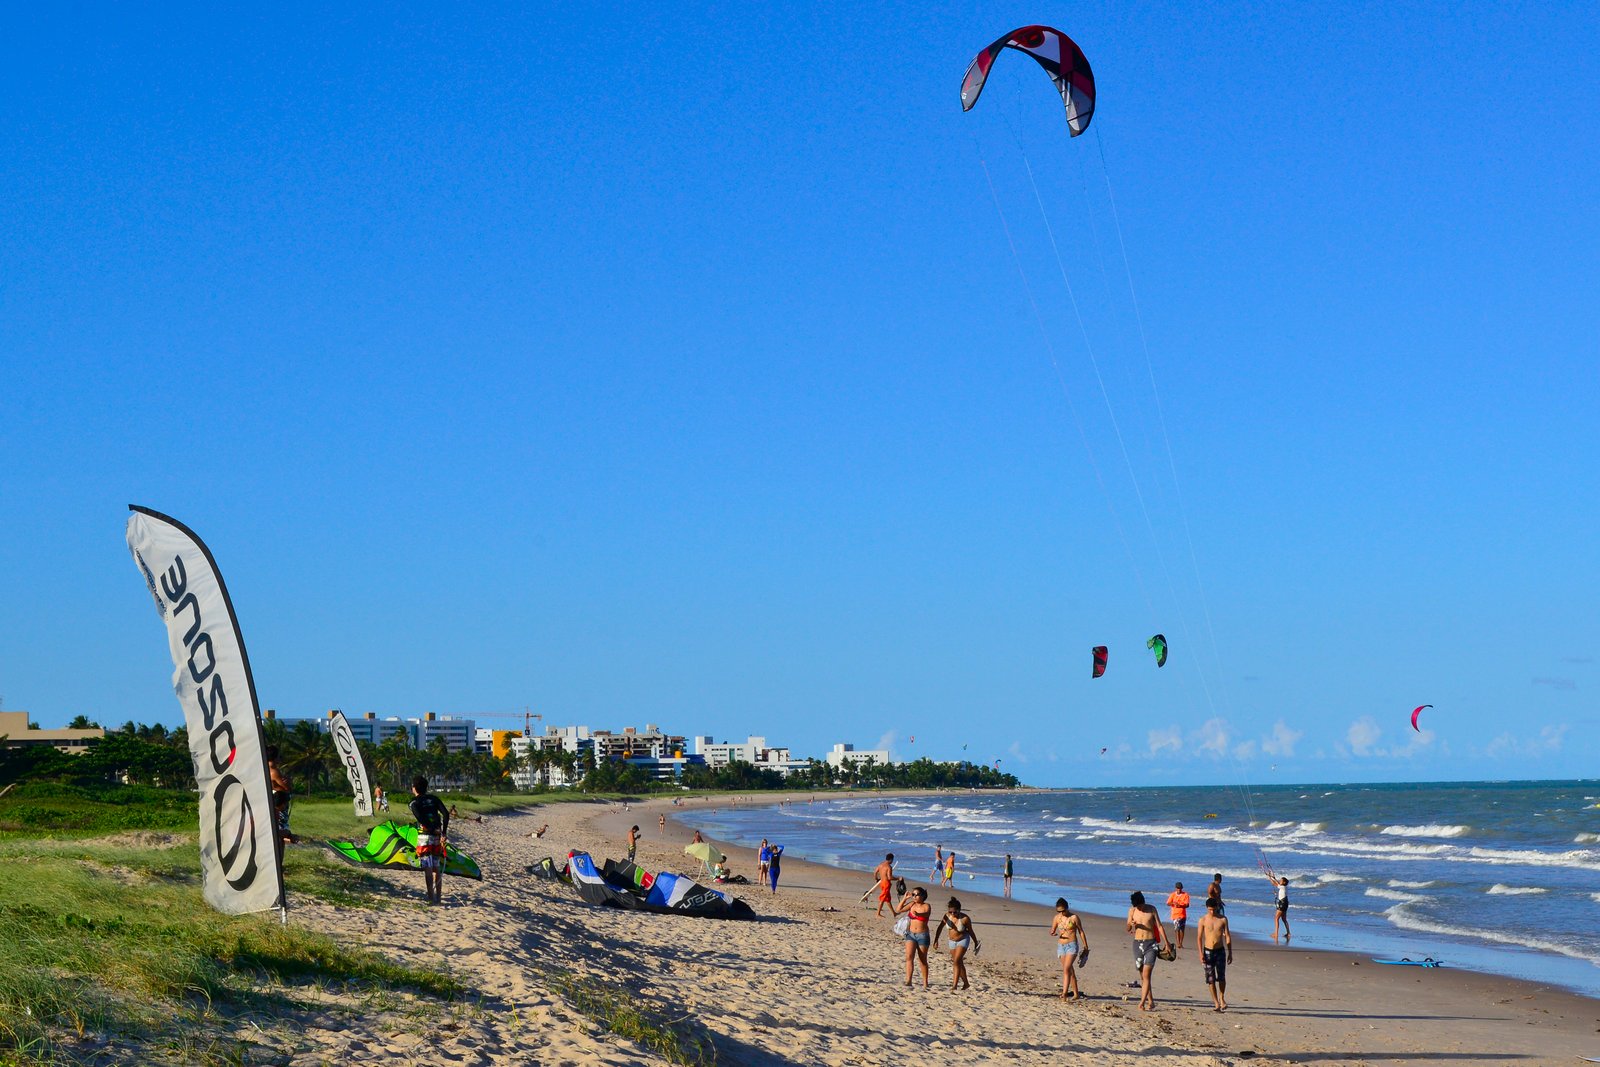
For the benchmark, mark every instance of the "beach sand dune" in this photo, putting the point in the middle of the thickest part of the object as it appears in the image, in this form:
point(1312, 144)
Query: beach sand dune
point(810, 986)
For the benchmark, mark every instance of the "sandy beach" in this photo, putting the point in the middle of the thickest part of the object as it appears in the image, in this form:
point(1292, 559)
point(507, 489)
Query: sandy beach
point(808, 984)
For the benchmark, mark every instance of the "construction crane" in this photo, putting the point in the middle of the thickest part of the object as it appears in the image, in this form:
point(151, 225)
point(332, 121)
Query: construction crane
point(527, 716)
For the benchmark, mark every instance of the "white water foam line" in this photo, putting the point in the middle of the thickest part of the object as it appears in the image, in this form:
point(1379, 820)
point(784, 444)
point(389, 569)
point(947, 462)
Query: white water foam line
point(1428, 830)
point(1499, 890)
point(1405, 917)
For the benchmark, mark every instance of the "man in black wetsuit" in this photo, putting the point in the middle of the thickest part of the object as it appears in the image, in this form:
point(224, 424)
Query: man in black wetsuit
point(433, 823)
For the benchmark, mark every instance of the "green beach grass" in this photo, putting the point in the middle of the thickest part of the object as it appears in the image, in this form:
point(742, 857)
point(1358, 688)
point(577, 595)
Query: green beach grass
point(110, 942)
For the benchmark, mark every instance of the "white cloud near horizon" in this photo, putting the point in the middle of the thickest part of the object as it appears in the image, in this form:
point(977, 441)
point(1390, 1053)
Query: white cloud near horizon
point(1170, 738)
point(1282, 741)
point(1550, 739)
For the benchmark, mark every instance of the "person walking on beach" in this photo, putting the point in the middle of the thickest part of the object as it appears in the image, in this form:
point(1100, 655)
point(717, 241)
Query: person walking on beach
point(962, 937)
point(917, 910)
point(1068, 931)
point(949, 869)
point(1215, 890)
point(1178, 912)
point(763, 857)
point(938, 863)
point(1144, 923)
point(433, 824)
point(884, 873)
point(633, 842)
point(1215, 942)
point(1281, 912)
point(773, 861)
point(1005, 877)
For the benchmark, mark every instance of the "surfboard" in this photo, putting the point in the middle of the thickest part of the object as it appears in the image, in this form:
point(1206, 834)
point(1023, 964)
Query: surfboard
point(1428, 962)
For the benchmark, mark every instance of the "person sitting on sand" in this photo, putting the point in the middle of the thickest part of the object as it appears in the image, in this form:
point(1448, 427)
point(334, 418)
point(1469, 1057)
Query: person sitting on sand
point(916, 907)
point(469, 815)
point(1144, 923)
point(1178, 912)
point(1215, 942)
point(1068, 931)
point(433, 824)
point(962, 937)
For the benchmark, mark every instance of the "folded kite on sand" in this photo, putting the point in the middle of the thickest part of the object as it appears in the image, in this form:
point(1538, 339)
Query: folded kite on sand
point(626, 886)
point(390, 843)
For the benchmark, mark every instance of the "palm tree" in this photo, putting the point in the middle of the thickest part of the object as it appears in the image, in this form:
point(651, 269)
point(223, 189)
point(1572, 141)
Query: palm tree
point(309, 753)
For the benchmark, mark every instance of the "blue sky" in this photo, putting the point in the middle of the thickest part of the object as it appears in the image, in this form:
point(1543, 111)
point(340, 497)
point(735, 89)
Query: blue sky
point(676, 368)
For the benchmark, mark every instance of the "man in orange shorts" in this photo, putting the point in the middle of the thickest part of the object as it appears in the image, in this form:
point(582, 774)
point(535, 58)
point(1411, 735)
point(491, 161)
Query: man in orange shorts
point(884, 873)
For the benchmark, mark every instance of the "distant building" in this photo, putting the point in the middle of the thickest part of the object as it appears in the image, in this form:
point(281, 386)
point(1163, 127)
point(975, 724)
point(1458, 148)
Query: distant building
point(842, 754)
point(754, 751)
point(458, 735)
point(633, 743)
point(16, 733)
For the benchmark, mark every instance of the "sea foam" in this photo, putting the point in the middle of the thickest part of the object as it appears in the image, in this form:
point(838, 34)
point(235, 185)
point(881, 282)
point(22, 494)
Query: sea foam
point(1427, 830)
point(1499, 890)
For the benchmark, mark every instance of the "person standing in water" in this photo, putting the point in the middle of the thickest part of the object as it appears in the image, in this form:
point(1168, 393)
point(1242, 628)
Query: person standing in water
point(1068, 931)
point(1144, 923)
point(916, 908)
point(962, 938)
point(1178, 912)
point(433, 824)
point(1281, 908)
point(1005, 877)
point(1215, 942)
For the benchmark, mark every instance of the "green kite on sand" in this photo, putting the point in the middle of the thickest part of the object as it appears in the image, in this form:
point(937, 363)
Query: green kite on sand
point(393, 844)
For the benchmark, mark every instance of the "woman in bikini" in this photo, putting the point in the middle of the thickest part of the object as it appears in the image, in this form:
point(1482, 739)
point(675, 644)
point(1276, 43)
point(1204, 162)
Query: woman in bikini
point(962, 937)
point(1068, 931)
point(916, 907)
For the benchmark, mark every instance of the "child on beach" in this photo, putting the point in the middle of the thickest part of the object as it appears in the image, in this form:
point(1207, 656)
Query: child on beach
point(433, 823)
point(949, 869)
point(884, 873)
point(962, 937)
point(763, 857)
point(1144, 923)
point(1178, 912)
point(1216, 952)
point(1068, 931)
point(1005, 877)
point(917, 910)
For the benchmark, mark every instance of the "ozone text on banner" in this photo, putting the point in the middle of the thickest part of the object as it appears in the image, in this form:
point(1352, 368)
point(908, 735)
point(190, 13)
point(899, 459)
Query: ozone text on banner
point(355, 768)
point(241, 859)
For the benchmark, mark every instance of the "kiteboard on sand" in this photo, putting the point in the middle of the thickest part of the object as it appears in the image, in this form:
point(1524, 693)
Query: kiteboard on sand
point(1408, 962)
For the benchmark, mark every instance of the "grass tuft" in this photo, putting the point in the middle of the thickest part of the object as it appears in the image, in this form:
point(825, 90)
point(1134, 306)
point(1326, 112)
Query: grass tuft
point(619, 1010)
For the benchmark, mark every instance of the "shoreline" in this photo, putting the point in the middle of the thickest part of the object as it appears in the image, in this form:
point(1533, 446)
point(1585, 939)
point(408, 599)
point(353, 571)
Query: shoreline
point(1287, 1004)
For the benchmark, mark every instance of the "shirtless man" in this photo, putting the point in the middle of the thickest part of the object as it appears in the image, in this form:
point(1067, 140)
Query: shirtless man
point(1215, 943)
point(884, 873)
point(1144, 923)
point(1215, 890)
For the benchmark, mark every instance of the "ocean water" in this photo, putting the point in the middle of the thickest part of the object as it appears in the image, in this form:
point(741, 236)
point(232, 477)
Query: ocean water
point(1500, 877)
